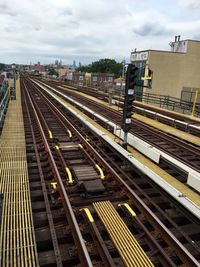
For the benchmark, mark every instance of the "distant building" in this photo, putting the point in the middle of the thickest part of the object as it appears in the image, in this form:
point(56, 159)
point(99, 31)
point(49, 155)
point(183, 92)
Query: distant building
point(98, 79)
point(119, 83)
point(69, 75)
point(106, 78)
point(38, 70)
point(93, 79)
point(10, 75)
point(79, 78)
point(74, 64)
point(176, 72)
point(62, 72)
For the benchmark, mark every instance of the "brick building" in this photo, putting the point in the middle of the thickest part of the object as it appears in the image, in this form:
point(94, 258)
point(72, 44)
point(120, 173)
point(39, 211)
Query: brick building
point(79, 78)
point(98, 79)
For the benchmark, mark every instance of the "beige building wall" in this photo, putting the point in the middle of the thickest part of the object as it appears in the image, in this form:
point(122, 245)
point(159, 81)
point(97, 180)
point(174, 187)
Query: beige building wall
point(166, 68)
point(190, 71)
point(174, 71)
point(62, 72)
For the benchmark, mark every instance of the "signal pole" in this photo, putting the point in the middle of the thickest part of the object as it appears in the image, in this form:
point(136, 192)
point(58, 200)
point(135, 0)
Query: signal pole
point(131, 77)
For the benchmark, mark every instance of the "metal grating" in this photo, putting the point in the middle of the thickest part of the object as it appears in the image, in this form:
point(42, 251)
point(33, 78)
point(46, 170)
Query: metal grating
point(128, 247)
point(17, 237)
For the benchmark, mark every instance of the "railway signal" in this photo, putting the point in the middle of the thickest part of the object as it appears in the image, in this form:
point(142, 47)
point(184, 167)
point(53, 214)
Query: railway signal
point(141, 77)
point(131, 78)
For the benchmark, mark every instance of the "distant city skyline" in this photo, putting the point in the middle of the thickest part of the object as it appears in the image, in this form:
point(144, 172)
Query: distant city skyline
point(69, 30)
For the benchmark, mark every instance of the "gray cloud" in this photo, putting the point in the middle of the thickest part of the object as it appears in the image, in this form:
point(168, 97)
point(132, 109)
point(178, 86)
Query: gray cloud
point(151, 29)
point(65, 12)
point(98, 28)
point(189, 4)
point(4, 6)
point(5, 9)
point(9, 29)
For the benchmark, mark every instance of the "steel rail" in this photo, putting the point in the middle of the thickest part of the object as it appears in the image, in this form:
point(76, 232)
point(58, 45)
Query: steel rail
point(44, 189)
point(157, 133)
point(178, 119)
point(183, 253)
point(84, 256)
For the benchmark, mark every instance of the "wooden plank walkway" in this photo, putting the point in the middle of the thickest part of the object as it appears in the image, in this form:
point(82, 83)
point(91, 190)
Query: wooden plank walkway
point(17, 238)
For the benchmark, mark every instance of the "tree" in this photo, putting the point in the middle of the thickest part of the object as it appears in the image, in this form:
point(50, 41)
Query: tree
point(52, 72)
point(104, 66)
point(2, 66)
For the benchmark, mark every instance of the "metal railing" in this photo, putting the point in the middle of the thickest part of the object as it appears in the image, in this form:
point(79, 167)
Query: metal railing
point(163, 101)
point(4, 98)
point(168, 102)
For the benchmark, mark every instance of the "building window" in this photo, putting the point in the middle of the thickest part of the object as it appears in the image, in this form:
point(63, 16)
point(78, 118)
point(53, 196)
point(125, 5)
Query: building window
point(94, 78)
point(80, 78)
point(110, 79)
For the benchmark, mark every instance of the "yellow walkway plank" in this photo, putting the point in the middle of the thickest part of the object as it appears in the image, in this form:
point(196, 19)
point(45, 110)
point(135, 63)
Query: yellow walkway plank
point(128, 247)
point(17, 238)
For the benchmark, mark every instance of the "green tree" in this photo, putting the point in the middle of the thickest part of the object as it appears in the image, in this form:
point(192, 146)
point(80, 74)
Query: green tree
point(84, 68)
point(104, 66)
point(2, 66)
point(52, 71)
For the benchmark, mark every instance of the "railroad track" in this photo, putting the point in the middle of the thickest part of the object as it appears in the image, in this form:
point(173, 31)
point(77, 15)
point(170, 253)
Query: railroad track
point(176, 120)
point(183, 151)
point(83, 192)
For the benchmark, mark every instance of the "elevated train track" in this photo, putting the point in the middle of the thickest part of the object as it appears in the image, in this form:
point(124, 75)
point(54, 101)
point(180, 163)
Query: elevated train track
point(183, 151)
point(75, 178)
point(179, 121)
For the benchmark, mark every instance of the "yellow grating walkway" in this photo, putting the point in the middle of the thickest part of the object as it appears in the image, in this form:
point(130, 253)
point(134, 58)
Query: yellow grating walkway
point(17, 238)
point(128, 247)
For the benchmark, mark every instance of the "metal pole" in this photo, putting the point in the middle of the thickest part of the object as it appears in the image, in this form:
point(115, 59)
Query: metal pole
point(125, 140)
point(195, 101)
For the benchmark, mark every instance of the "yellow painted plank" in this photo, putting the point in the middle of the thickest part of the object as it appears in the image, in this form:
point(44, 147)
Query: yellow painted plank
point(129, 249)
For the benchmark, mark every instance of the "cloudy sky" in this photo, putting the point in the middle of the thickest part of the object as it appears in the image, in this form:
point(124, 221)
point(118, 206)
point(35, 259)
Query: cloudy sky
point(87, 30)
